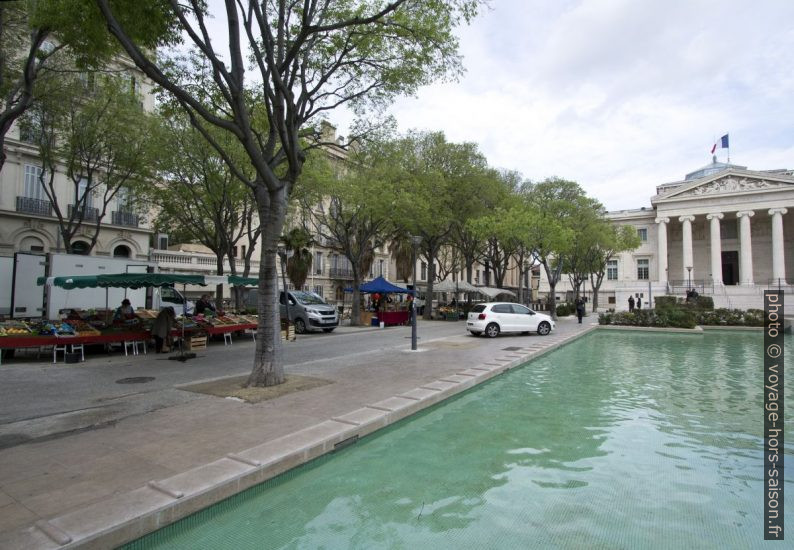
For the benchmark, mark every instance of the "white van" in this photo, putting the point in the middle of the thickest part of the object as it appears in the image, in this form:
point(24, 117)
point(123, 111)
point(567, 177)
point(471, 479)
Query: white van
point(309, 312)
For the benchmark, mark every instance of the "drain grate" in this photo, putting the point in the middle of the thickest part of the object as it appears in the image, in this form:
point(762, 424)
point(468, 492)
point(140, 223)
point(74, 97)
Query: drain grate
point(512, 348)
point(135, 380)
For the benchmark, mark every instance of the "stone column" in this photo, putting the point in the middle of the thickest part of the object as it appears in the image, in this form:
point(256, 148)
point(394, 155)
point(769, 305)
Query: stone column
point(686, 222)
point(778, 256)
point(745, 248)
point(716, 248)
point(662, 248)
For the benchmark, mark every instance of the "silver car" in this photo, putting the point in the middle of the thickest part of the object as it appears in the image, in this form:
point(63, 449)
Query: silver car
point(494, 318)
point(309, 312)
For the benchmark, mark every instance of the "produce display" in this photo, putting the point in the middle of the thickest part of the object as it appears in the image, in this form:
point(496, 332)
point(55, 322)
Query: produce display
point(82, 328)
point(56, 328)
point(14, 328)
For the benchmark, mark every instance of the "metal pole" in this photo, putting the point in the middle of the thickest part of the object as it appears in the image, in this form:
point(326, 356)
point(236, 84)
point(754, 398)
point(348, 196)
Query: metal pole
point(413, 303)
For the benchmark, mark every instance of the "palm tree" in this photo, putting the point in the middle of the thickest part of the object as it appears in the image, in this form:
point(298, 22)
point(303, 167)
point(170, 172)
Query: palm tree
point(402, 254)
point(298, 241)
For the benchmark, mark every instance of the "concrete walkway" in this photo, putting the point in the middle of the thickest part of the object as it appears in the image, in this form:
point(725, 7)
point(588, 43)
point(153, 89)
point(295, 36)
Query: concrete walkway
point(103, 487)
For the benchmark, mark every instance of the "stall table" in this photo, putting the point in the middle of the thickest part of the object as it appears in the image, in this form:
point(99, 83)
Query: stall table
point(37, 341)
point(389, 318)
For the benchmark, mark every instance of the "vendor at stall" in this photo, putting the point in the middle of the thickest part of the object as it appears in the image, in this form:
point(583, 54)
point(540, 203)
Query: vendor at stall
point(124, 311)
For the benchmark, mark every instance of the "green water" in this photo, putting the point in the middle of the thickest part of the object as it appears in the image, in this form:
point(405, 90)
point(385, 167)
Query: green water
point(618, 440)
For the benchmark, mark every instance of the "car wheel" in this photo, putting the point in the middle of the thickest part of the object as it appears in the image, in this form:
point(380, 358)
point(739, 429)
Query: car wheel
point(300, 326)
point(492, 330)
point(544, 328)
point(328, 329)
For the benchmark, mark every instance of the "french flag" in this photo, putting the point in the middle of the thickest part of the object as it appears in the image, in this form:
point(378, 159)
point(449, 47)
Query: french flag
point(723, 144)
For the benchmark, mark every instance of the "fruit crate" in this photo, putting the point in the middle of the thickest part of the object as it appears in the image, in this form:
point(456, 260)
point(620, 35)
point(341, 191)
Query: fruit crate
point(195, 343)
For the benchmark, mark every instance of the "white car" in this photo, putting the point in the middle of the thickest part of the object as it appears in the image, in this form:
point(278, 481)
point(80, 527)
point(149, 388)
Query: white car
point(495, 317)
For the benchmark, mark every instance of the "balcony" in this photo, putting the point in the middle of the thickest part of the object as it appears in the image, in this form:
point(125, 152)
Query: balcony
point(34, 206)
point(129, 219)
point(86, 213)
point(340, 273)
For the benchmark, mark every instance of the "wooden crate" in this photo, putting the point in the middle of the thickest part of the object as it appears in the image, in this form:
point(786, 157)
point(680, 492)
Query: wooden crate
point(288, 334)
point(195, 343)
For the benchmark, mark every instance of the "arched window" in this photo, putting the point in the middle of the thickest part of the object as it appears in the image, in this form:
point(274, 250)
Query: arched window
point(121, 251)
point(31, 244)
point(80, 247)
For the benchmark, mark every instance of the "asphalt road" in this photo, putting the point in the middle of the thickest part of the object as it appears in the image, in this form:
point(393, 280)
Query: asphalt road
point(39, 399)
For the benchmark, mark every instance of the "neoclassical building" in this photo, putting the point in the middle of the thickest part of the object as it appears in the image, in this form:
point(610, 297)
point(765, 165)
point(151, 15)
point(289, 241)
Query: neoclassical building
point(725, 230)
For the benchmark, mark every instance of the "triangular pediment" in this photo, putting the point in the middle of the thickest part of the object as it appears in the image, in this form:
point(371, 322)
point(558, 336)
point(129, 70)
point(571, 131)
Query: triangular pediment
point(729, 182)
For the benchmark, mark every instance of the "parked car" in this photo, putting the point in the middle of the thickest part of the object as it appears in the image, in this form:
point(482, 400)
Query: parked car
point(309, 312)
point(493, 318)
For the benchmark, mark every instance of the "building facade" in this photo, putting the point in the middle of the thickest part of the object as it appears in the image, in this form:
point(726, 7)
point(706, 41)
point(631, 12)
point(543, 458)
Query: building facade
point(724, 230)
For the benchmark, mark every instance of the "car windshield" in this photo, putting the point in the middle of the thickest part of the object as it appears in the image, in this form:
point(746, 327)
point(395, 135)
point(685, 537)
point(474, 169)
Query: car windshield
point(308, 298)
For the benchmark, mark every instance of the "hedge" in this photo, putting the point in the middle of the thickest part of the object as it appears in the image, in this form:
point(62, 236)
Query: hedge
point(683, 316)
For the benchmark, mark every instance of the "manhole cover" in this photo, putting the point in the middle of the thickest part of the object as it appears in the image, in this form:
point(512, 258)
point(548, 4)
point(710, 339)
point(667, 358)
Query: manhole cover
point(135, 380)
point(512, 348)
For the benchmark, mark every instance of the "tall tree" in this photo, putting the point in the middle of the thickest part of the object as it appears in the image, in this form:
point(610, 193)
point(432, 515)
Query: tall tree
point(434, 177)
point(297, 247)
point(101, 137)
point(310, 57)
point(353, 214)
point(587, 225)
point(609, 240)
point(197, 197)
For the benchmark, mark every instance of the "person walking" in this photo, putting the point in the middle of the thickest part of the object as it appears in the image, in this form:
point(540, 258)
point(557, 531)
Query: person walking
point(639, 302)
point(580, 309)
point(631, 304)
point(161, 328)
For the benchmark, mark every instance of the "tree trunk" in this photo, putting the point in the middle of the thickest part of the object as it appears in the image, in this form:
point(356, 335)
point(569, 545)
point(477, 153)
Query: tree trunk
point(596, 287)
point(219, 288)
point(268, 359)
point(355, 309)
point(552, 298)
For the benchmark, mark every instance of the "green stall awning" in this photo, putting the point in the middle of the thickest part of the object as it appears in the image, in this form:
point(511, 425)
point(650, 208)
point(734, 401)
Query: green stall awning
point(75, 281)
point(139, 280)
point(243, 281)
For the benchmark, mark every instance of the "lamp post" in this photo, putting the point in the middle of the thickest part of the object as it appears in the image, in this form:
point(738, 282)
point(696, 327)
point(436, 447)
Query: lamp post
point(415, 240)
point(689, 277)
point(282, 254)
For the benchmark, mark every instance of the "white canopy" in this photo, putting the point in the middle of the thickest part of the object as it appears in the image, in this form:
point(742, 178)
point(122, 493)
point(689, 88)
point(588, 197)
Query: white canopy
point(454, 286)
point(494, 292)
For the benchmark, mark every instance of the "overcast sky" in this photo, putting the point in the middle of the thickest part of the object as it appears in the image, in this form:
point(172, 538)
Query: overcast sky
point(619, 95)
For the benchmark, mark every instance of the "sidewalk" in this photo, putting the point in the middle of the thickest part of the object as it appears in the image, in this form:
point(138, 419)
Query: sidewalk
point(96, 488)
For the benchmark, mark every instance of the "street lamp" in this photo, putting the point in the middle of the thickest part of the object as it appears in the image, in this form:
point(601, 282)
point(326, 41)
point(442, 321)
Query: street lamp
point(689, 277)
point(282, 254)
point(415, 241)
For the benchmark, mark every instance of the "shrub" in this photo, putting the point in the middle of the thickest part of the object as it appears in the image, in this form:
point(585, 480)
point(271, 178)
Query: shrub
point(565, 309)
point(704, 302)
point(665, 302)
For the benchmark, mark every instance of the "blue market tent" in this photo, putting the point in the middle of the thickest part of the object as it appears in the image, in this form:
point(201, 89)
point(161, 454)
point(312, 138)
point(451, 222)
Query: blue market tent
point(382, 286)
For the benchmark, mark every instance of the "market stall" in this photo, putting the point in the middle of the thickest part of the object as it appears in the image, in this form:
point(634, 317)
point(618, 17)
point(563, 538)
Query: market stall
point(387, 314)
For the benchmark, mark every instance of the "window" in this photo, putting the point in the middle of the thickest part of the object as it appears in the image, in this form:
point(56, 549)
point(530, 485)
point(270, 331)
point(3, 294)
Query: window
point(33, 182)
point(318, 290)
point(83, 190)
point(612, 270)
point(121, 251)
point(477, 277)
point(424, 271)
point(123, 201)
point(642, 233)
point(32, 244)
point(502, 308)
point(80, 247)
point(318, 264)
point(642, 269)
point(380, 268)
point(162, 241)
point(521, 310)
point(243, 252)
point(30, 127)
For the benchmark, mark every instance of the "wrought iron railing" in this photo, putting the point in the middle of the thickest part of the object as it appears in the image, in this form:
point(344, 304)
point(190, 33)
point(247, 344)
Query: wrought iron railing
point(120, 217)
point(34, 206)
point(680, 287)
point(85, 213)
point(340, 273)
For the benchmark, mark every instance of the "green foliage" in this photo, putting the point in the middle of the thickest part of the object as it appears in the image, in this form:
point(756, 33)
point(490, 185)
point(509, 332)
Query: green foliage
point(731, 317)
point(675, 318)
point(565, 309)
point(665, 302)
point(298, 241)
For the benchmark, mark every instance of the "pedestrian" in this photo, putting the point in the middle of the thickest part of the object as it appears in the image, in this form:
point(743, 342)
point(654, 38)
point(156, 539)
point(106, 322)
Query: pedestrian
point(631, 304)
point(639, 302)
point(580, 309)
point(161, 328)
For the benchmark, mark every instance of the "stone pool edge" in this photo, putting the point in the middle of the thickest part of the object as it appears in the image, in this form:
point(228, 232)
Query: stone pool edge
point(133, 514)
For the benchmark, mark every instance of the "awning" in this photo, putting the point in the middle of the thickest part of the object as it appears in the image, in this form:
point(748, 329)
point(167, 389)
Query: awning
point(76, 281)
point(382, 286)
point(243, 281)
point(454, 286)
point(494, 292)
point(122, 280)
